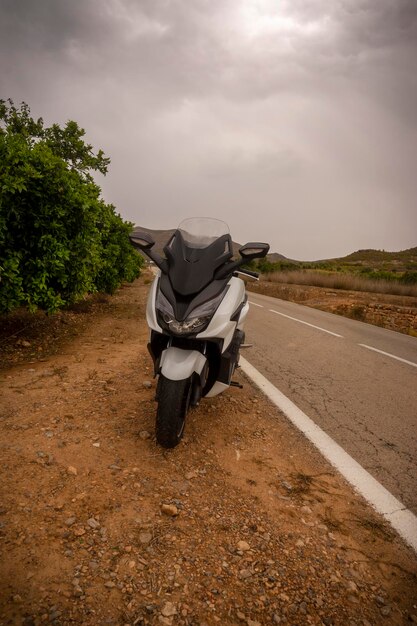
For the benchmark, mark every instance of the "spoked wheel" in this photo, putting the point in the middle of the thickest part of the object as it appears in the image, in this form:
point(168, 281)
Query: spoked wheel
point(173, 403)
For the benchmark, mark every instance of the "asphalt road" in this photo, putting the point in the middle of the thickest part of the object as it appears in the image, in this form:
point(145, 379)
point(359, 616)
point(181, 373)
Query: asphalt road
point(329, 367)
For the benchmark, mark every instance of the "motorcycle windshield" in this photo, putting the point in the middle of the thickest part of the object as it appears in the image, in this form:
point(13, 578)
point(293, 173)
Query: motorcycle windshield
point(197, 249)
point(200, 232)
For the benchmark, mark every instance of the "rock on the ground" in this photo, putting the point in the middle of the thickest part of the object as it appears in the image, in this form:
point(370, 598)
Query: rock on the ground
point(169, 509)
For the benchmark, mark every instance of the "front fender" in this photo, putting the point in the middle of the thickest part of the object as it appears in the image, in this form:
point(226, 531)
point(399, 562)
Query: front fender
point(178, 364)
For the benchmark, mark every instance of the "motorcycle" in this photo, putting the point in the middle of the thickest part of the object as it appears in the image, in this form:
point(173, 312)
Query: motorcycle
point(196, 311)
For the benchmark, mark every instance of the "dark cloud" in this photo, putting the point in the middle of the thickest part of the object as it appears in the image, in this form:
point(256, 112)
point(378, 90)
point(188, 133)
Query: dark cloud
point(302, 113)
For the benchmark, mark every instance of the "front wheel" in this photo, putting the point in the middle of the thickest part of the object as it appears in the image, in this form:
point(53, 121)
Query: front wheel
point(173, 403)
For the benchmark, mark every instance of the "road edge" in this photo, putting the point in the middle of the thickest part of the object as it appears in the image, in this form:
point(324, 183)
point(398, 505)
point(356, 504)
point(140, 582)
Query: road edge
point(399, 517)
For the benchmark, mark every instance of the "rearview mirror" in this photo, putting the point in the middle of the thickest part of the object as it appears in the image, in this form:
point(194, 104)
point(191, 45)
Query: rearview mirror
point(142, 240)
point(254, 250)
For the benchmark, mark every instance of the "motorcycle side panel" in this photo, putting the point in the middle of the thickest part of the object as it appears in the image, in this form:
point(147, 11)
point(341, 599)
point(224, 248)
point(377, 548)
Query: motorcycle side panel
point(178, 364)
point(150, 306)
point(242, 316)
point(221, 326)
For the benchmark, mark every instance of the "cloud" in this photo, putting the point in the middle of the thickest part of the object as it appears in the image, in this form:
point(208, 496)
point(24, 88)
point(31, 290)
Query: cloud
point(302, 113)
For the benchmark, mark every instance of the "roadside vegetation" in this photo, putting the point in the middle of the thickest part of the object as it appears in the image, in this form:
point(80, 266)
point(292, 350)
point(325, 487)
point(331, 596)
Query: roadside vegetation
point(59, 240)
point(373, 271)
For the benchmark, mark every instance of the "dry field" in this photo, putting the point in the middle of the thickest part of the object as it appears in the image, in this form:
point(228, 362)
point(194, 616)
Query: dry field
point(243, 524)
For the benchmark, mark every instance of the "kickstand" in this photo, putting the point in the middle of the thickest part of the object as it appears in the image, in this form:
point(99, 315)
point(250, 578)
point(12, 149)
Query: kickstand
point(233, 383)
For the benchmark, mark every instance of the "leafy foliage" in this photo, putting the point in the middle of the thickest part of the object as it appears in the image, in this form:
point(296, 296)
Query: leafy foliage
point(58, 239)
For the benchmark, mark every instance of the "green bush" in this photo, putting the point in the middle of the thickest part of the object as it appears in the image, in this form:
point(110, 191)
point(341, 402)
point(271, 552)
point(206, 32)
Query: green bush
point(58, 239)
point(409, 278)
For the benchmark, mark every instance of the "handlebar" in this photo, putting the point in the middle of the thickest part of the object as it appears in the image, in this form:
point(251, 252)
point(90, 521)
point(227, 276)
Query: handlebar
point(247, 272)
point(250, 273)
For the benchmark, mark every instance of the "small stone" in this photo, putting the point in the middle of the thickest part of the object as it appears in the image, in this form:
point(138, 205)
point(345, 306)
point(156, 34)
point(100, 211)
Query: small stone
point(24, 343)
point(17, 598)
point(132, 564)
point(144, 434)
point(169, 509)
point(109, 584)
point(54, 615)
point(169, 609)
point(79, 532)
point(286, 485)
point(351, 586)
point(145, 538)
point(70, 521)
point(302, 607)
point(96, 444)
point(77, 592)
point(243, 546)
point(72, 470)
point(385, 610)
point(244, 574)
point(306, 510)
point(300, 543)
point(241, 616)
point(251, 622)
point(93, 523)
point(147, 384)
point(191, 475)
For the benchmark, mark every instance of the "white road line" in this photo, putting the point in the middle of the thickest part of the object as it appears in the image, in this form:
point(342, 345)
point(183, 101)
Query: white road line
point(254, 304)
point(306, 323)
point(388, 354)
point(400, 518)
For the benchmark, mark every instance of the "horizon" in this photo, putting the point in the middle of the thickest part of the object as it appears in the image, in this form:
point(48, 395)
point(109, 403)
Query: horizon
point(241, 243)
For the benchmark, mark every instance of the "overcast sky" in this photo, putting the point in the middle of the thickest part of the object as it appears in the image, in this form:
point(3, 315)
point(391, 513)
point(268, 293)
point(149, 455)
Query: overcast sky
point(295, 121)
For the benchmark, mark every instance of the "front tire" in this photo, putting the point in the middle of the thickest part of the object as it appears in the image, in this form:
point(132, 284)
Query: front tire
point(173, 403)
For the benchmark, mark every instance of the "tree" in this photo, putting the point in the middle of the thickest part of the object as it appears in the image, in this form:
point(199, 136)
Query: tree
point(58, 239)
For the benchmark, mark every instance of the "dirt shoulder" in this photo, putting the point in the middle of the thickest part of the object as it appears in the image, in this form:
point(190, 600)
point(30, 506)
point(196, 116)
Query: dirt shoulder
point(258, 530)
point(397, 313)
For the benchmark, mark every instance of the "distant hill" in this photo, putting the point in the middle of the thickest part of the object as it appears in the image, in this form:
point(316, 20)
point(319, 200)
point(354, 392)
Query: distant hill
point(274, 257)
point(380, 259)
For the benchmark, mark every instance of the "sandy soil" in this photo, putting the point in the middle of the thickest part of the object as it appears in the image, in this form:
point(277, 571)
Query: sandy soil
point(243, 523)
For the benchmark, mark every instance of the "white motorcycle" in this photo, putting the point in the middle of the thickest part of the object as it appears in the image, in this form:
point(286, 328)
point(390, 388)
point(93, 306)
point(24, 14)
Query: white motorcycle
point(196, 311)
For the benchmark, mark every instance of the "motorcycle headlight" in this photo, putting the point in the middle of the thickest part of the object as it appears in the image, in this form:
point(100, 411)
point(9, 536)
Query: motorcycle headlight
point(190, 325)
point(198, 319)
